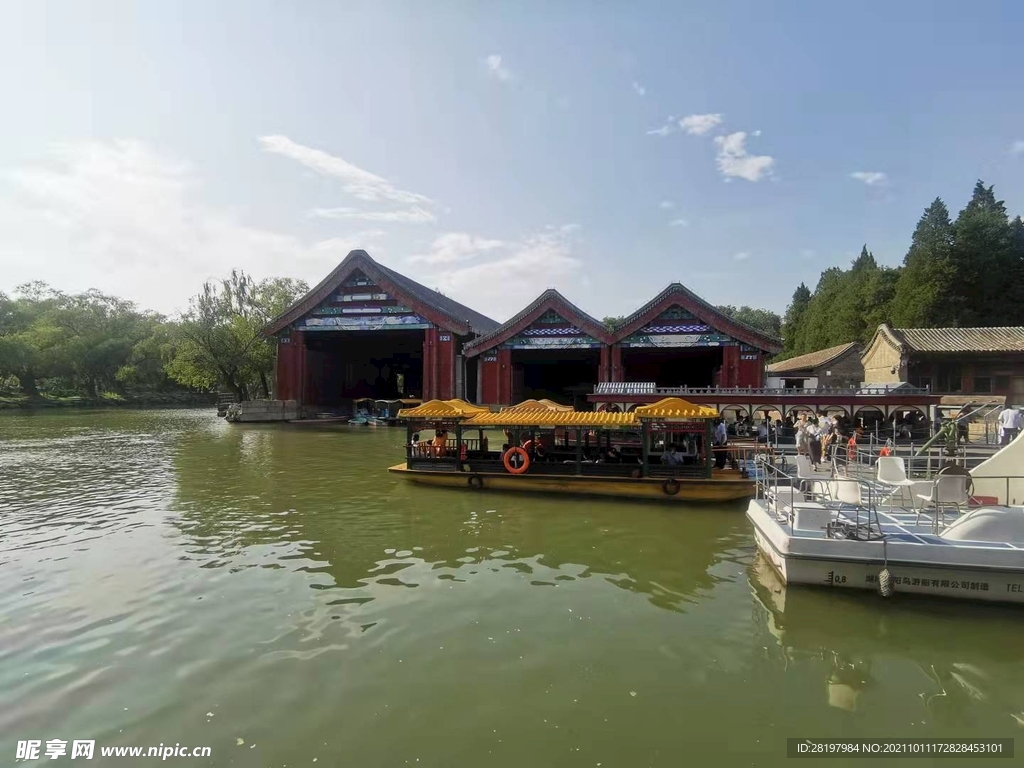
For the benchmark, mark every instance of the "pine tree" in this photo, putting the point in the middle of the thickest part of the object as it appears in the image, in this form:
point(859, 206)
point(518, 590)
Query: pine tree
point(982, 260)
point(924, 289)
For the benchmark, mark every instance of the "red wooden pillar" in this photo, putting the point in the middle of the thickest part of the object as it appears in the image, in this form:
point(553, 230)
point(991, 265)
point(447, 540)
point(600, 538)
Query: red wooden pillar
point(298, 377)
point(488, 374)
point(428, 365)
point(444, 365)
point(504, 377)
point(617, 371)
point(730, 365)
point(283, 389)
point(605, 365)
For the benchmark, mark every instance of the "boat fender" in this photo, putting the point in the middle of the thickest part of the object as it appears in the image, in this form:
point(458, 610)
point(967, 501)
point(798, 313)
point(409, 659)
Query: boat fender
point(476, 482)
point(884, 582)
point(516, 460)
point(670, 487)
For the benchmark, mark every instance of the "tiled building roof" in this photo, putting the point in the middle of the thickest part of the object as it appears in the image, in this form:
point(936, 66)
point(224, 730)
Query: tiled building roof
point(813, 359)
point(1005, 339)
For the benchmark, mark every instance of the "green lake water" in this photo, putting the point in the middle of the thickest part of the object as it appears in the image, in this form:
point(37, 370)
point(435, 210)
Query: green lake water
point(171, 578)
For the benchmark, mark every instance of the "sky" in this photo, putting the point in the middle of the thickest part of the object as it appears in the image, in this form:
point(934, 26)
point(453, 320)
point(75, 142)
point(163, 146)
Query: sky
point(492, 150)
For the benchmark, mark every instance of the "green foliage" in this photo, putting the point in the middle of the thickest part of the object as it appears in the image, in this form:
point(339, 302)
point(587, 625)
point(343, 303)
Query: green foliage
point(612, 322)
point(220, 341)
point(763, 320)
point(964, 273)
point(90, 344)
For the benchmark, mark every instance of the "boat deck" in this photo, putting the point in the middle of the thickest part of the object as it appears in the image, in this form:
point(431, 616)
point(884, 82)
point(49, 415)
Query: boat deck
point(901, 526)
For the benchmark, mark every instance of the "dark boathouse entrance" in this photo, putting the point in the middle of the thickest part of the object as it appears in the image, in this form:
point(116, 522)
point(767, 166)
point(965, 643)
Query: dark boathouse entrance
point(367, 331)
point(551, 350)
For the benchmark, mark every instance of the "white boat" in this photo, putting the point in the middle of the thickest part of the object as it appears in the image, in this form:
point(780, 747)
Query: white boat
point(846, 531)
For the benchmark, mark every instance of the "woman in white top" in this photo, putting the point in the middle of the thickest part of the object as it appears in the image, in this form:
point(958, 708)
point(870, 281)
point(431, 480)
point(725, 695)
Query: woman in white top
point(801, 435)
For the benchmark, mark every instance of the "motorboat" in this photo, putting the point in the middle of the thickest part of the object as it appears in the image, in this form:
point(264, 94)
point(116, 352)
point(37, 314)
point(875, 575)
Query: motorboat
point(933, 536)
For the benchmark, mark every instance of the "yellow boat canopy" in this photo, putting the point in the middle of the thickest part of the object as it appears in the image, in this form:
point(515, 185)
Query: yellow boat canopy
point(545, 413)
point(675, 408)
point(542, 417)
point(442, 409)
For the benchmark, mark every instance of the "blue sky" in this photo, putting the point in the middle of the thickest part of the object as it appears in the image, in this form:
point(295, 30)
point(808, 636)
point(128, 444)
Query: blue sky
point(495, 149)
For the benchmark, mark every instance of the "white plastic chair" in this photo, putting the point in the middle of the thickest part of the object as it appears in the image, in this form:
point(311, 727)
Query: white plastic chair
point(807, 477)
point(892, 471)
point(946, 491)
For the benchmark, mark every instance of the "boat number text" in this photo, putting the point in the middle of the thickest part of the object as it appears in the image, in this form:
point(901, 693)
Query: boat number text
point(1015, 587)
point(444, 337)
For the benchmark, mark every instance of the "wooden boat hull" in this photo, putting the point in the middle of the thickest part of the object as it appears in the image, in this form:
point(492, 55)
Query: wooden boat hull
point(726, 485)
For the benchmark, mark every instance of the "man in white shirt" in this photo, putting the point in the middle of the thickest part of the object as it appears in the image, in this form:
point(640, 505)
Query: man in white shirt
point(721, 439)
point(1009, 424)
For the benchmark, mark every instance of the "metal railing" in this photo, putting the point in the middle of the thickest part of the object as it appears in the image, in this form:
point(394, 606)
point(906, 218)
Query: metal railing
point(762, 391)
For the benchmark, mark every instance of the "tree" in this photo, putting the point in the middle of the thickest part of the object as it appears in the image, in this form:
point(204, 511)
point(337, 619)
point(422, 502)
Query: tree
point(612, 322)
point(982, 261)
point(793, 319)
point(764, 320)
point(220, 339)
point(925, 292)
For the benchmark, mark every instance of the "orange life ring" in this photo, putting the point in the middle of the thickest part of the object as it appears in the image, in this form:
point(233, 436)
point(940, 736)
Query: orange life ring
point(523, 462)
point(527, 445)
point(885, 451)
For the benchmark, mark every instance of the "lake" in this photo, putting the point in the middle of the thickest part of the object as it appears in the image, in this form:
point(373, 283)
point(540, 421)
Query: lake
point(271, 592)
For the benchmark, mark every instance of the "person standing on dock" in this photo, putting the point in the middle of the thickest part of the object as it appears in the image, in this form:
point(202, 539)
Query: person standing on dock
point(721, 440)
point(1009, 424)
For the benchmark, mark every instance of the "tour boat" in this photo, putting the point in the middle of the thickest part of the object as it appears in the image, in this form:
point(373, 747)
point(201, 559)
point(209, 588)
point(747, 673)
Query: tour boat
point(848, 532)
point(658, 451)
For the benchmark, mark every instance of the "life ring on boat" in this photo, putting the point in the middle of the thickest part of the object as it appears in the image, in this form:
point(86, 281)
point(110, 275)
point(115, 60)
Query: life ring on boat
point(516, 460)
point(476, 482)
point(670, 487)
point(527, 445)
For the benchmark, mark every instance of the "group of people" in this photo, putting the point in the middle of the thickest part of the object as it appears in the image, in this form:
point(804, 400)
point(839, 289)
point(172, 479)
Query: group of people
point(818, 437)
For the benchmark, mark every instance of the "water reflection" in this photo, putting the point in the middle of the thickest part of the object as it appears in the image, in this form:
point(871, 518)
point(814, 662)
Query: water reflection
point(322, 503)
point(963, 669)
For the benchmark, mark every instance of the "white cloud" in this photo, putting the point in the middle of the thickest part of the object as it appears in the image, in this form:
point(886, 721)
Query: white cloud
point(871, 178)
point(698, 125)
point(679, 223)
point(454, 247)
point(128, 220)
point(359, 183)
point(414, 215)
point(665, 130)
point(735, 162)
point(666, 204)
point(1017, 148)
point(502, 279)
point(640, 90)
point(496, 70)
point(741, 256)
point(756, 133)
point(355, 181)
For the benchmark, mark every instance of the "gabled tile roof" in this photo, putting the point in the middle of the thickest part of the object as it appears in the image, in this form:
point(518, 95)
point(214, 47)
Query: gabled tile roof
point(701, 309)
point(460, 317)
point(1004, 339)
point(550, 299)
point(813, 359)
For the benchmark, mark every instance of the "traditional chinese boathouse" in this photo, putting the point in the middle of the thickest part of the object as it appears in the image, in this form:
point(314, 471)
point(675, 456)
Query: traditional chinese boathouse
point(554, 349)
point(367, 331)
